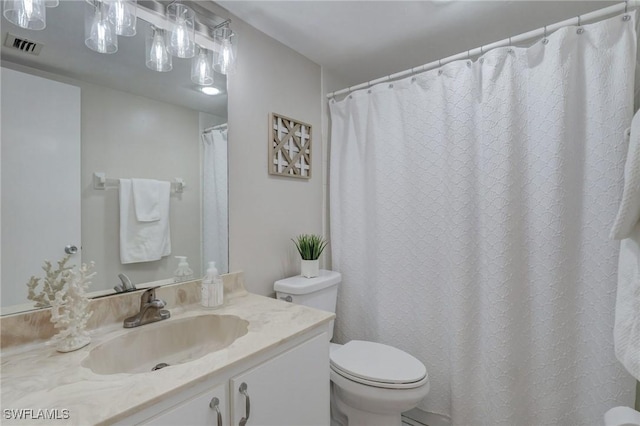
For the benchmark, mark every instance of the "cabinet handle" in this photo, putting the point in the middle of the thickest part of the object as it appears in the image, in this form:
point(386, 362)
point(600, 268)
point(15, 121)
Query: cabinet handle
point(215, 405)
point(243, 390)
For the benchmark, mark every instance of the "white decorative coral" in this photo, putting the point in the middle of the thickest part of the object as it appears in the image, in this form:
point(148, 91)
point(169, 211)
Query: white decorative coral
point(53, 282)
point(69, 309)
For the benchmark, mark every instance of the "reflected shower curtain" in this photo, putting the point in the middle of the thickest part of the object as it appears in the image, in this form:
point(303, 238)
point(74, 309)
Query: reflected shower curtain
point(470, 212)
point(215, 200)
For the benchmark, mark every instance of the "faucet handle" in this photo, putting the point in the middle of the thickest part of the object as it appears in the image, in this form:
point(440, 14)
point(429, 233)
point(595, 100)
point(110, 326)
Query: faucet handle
point(126, 283)
point(158, 303)
point(149, 296)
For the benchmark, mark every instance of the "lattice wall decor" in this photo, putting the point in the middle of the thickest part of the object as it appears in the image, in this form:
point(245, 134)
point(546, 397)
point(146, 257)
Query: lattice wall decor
point(289, 147)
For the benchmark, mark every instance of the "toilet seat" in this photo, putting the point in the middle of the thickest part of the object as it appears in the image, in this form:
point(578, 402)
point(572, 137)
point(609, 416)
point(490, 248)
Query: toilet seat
point(375, 364)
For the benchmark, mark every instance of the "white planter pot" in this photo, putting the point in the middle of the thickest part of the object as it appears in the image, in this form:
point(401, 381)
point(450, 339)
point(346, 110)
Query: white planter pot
point(310, 268)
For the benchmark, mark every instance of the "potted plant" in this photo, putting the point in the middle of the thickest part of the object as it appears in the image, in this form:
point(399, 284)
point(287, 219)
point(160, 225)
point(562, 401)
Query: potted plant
point(310, 247)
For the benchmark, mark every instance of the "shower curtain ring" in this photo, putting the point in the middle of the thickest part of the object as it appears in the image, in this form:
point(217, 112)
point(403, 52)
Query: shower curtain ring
point(626, 17)
point(580, 30)
point(544, 39)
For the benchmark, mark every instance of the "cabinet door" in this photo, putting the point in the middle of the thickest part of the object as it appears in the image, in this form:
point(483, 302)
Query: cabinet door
point(290, 389)
point(196, 411)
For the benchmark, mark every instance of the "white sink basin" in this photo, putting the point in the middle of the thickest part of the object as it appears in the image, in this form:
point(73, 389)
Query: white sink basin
point(170, 342)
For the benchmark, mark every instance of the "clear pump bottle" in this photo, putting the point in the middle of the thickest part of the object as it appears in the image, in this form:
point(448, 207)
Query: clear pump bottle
point(212, 288)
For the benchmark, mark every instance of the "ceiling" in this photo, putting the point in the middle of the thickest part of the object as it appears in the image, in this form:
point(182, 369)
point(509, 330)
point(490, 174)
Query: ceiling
point(64, 53)
point(363, 40)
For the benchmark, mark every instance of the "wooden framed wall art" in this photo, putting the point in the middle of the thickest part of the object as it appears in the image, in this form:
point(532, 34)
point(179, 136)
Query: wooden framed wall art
point(289, 147)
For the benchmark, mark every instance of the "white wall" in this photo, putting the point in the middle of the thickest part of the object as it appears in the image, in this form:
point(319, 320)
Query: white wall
point(331, 82)
point(265, 211)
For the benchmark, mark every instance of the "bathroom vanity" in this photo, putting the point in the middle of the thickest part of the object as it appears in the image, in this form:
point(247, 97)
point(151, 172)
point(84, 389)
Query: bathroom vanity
point(264, 362)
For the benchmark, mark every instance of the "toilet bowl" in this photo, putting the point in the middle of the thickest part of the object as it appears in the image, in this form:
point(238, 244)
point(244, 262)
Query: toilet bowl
point(371, 383)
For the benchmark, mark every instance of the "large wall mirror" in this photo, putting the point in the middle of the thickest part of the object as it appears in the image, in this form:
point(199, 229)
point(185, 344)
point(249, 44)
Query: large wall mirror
point(71, 116)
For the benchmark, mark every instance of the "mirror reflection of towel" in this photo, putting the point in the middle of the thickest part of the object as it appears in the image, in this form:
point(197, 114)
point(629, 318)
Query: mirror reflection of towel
point(146, 199)
point(143, 241)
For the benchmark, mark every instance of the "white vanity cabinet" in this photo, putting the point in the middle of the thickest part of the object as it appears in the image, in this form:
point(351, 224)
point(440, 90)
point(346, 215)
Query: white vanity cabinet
point(208, 408)
point(290, 389)
point(284, 386)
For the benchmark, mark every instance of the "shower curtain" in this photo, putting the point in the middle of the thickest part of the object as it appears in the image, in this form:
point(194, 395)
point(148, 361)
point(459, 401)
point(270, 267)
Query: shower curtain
point(215, 228)
point(470, 212)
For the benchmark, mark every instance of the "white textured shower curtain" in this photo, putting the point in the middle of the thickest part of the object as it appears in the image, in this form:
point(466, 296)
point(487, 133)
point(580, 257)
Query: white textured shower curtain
point(215, 222)
point(470, 212)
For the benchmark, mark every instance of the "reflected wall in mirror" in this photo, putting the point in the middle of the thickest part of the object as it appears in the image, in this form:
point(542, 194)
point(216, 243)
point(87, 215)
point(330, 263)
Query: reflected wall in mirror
point(70, 112)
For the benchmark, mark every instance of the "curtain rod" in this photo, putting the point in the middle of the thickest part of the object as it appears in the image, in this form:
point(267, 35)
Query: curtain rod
point(544, 32)
point(219, 126)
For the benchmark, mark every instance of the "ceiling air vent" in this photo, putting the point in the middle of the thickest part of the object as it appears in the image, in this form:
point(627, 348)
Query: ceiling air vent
point(23, 44)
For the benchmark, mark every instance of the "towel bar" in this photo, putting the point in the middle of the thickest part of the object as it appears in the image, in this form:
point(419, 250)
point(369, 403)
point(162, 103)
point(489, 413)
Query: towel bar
point(101, 182)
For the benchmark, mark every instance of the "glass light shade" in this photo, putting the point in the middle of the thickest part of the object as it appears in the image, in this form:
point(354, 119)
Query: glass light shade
point(29, 14)
point(202, 67)
point(100, 34)
point(158, 57)
point(182, 36)
point(226, 48)
point(122, 14)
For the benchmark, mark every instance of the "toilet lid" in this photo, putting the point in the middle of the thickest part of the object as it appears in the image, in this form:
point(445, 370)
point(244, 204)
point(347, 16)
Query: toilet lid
point(378, 363)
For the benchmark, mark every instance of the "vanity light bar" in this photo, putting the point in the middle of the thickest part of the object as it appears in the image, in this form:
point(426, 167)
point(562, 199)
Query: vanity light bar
point(101, 182)
point(155, 16)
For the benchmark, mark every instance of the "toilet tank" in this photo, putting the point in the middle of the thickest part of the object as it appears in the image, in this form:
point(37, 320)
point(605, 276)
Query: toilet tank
point(319, 292)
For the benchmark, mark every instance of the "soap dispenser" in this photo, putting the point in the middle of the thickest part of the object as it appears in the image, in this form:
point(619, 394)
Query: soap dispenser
point(184, 272)
point(212, 288)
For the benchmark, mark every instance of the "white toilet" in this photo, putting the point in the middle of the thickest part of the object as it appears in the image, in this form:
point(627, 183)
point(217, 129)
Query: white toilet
point(371, 383)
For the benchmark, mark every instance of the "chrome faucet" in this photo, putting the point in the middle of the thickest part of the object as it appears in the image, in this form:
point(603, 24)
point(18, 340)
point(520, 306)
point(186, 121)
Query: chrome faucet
point(150, 310)
point(126, 284)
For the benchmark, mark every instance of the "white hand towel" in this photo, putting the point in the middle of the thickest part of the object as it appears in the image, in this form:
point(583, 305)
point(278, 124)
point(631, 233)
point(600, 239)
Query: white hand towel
point(146, 198)
point(629, 210)
point(626, 331)
point(143, 241)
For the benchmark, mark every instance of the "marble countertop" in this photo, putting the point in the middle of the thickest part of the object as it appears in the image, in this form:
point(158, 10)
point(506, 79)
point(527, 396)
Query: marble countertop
point(35, 376)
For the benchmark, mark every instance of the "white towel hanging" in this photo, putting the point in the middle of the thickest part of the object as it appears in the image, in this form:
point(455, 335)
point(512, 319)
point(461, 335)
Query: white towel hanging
point(143, 241)
point(146, 199)
point(629, 210)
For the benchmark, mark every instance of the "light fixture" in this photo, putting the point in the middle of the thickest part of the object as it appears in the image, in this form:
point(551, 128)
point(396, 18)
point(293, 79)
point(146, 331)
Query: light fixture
point(172, 32)
point(29, 14)
point(122, 14)
point(210, 90)
point(202, 67)
point(158, 57)
point(182, 35)
point(225, 57)
point(100, 33)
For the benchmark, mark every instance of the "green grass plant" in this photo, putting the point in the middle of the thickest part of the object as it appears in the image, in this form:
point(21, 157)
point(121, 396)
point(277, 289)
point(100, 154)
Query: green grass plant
point(310, 246)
